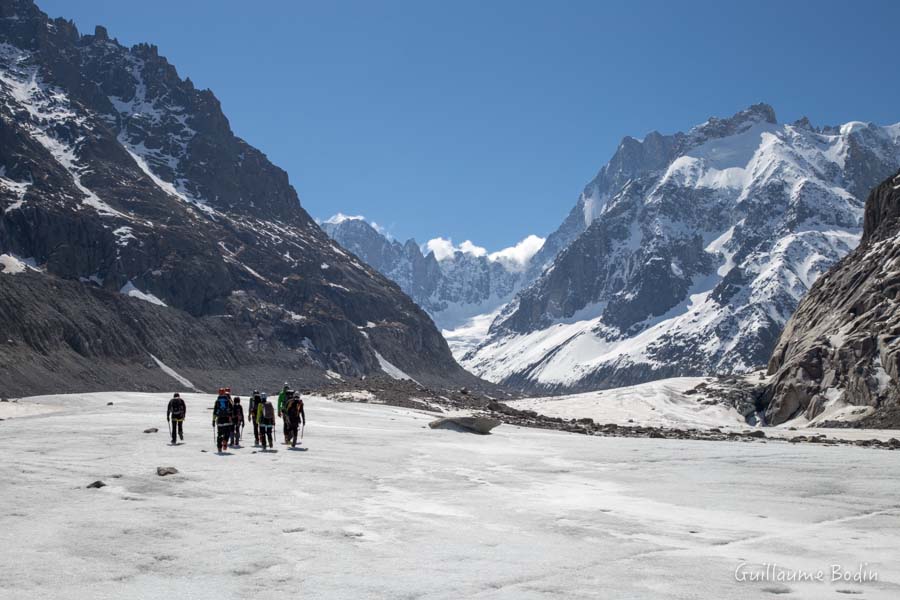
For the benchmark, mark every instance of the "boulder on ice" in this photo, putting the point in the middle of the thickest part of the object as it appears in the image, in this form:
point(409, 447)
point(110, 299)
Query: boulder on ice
point(482, 425)
point(163, 471)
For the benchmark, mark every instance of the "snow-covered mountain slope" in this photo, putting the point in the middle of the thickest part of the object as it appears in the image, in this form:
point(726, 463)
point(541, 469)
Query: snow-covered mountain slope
point(461, 287)
point(146, 227)
point(383, 507)
point(688, 253)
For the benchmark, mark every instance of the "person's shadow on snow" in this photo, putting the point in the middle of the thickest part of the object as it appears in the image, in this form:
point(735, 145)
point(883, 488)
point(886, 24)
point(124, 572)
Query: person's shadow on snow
point(298, 449)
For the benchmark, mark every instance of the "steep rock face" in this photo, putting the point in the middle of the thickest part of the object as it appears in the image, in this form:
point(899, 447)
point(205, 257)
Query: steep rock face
point(416, 274)
point(688, 253)
point(841, 348)
point(451, 290)
point(117, 174)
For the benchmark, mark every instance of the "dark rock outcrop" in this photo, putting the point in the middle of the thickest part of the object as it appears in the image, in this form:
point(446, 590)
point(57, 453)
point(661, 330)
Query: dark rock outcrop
point(842, 346)
point(482, 425)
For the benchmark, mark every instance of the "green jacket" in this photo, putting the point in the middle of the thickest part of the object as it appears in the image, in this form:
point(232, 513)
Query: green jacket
point(282, 401)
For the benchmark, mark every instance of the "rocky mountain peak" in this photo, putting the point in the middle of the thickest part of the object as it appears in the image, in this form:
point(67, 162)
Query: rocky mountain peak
point(101, 34)
point(687, 253)
point(715, 127)
point(462, 284)
point(882, 211)
point(149, 229)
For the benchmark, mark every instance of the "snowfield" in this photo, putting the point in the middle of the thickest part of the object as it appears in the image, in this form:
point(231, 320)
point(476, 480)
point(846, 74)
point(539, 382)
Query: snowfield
point(379, 506)
point(666, 403)
point(660, 403)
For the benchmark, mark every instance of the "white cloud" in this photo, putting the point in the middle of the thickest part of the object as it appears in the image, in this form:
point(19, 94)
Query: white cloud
point(443, 248)
point(467, 247)
point(516, 258)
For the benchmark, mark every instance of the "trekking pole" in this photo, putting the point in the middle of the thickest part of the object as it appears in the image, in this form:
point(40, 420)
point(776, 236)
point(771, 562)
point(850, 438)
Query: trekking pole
point(302, 427)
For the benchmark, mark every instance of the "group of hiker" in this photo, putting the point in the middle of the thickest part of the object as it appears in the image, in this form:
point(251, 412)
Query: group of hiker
point(228, 418)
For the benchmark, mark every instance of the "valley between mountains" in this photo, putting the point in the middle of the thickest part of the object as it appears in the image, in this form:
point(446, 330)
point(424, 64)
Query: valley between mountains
point(143, 245)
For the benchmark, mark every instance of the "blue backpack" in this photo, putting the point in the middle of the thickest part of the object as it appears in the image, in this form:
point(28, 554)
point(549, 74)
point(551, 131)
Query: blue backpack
point(222, 411)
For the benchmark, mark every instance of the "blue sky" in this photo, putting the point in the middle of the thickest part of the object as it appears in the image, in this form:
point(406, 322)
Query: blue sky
point(483, 120)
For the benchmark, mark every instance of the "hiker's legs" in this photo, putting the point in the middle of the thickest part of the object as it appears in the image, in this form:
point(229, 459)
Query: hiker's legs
point(224, 433)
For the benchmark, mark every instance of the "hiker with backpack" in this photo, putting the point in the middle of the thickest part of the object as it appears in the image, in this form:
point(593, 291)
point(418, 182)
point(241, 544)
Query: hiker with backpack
point(175, 414)
point(237, 421)
point(294, 417)
point(283, 397)
point(265, 416)
point(251, 413)
point(223, 412)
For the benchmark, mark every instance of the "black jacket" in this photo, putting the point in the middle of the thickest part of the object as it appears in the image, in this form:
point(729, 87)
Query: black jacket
point(177, 409)
point(294, 411)
point(254, 404)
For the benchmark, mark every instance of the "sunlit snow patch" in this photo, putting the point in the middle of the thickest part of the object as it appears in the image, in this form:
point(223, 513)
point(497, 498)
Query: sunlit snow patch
point(130, 290)
point(171, 373)
point(10, 264)
point(391, 370)
point(660, 403)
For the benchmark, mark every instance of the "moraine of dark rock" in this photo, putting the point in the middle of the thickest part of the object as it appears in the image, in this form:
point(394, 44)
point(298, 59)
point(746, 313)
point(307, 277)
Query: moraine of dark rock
point(843, 342)
point(528, 418)
point(147, 228)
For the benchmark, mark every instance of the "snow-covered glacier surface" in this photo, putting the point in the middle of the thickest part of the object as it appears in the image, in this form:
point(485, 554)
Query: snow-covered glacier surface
point(380, 506)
